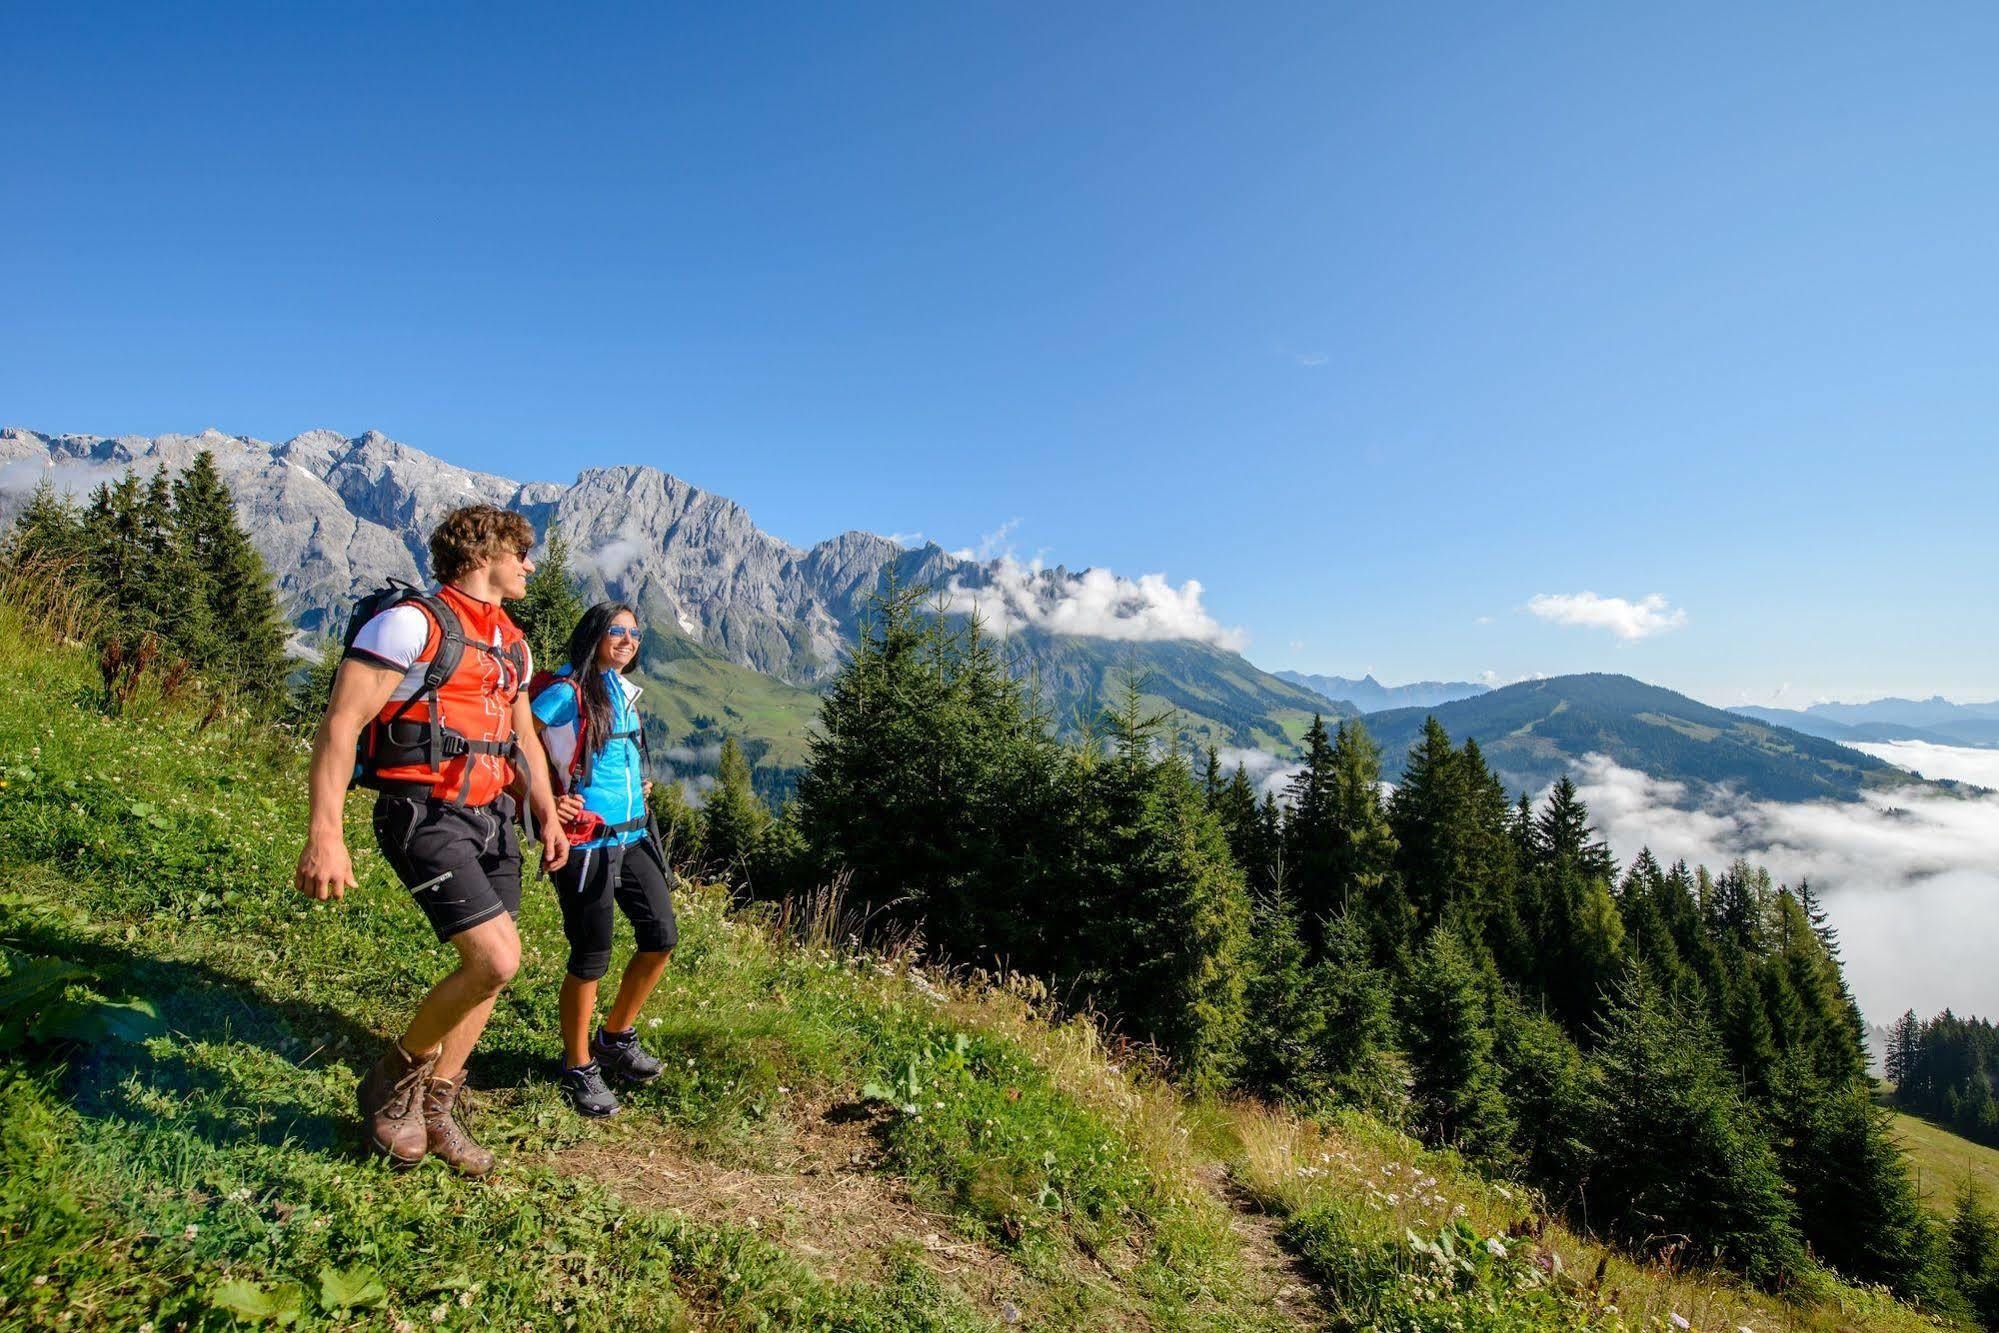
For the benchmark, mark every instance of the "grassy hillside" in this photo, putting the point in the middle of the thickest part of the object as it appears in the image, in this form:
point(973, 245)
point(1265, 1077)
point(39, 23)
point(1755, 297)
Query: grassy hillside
point(841, 1141)
point(1531, 732)
point(1944, 1161)
point(694, 695)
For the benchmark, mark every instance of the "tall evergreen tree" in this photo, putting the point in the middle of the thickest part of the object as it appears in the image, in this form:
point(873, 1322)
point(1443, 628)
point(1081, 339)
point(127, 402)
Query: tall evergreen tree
point(1169, 913)
point(734, 818)
point(551, 608)
point(1675, 1149)
point(246, 629)
point(1448, 1033)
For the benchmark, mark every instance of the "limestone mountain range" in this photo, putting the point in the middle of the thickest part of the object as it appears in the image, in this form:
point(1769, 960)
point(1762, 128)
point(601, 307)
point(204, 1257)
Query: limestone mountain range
point(335, 516)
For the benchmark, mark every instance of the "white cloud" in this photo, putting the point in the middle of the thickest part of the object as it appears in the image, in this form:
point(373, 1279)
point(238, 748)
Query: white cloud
point(1312, 358)
point(1956, 763)
point(614, 556)
point(1626, 619)
point(1910, 878)
point(907, 539)
point(21, 475)
point(1095, 603)
point(990, 546)
point(1265, 771)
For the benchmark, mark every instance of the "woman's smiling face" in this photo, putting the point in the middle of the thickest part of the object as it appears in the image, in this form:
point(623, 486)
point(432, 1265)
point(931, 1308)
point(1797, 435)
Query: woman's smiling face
point(617, 649)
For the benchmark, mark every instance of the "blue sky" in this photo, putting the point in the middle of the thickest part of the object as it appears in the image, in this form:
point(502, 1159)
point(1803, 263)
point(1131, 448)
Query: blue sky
point(1379, 323)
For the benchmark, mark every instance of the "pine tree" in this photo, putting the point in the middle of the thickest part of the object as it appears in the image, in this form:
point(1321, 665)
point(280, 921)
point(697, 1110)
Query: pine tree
point(48, 533)
point(1543, 1081)
point(1902, 1046)
point(734, 818)
point(549, 612)
point(1675, 1149)
point(246, 631)
point(679, 824)
point(1856, 1203)
point(1447, 1031)
point(1167, 908)
point(1311, 835)
point(1364, 848)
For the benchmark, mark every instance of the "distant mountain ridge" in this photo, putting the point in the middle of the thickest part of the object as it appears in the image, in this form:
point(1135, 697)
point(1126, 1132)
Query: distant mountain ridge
point(1370, 695)
point(335, 516)
point(1533, 732)
point(1936, 720)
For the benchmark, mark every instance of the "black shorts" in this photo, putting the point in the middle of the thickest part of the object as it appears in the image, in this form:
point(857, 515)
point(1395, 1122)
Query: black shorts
point(591, 880)
point(474, 846)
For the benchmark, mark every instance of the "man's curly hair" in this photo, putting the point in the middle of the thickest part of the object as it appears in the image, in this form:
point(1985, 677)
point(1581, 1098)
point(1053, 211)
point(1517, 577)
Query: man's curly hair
point(469, 537)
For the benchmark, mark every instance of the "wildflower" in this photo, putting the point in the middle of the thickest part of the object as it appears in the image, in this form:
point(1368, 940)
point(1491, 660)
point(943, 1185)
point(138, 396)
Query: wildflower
point(1678, 1320)
point(1495, 1247)
point(437, 1315)
point(191, 1232)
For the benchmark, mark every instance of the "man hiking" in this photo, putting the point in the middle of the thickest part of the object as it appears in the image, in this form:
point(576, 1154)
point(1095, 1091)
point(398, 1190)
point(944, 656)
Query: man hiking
point(595, 742)
point(428, 709)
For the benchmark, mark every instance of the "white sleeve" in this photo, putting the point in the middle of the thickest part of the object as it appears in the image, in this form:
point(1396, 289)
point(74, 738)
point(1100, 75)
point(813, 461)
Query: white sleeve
point(396, 637)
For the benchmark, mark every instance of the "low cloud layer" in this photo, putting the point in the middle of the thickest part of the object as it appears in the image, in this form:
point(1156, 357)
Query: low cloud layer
point(1094, 603)
point(1955, 763)
point(1626, 619)
point(1910, 879)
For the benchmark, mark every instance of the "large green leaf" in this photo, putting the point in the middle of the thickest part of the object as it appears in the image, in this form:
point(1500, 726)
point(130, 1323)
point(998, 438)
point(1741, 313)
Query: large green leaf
point(353, 1288)
point(90, 1021)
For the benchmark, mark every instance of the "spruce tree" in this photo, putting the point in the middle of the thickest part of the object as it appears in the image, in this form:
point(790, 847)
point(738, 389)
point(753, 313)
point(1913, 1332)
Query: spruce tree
point(1168, 912)
point(1857, 1205)
point(246, 630)
point(1364, 848)
point(1542, 1076)
point(1447, 1032)
point(734, 818)
point(549, 612)
point(47, 535)
point(1675, 1149)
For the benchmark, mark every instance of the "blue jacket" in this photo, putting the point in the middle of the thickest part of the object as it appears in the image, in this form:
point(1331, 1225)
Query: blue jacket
point(615, 792)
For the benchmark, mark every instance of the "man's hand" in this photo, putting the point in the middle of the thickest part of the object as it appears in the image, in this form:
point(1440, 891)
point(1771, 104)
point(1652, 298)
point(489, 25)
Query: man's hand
point(324, 868)
point(554, 847)
point(568, 807)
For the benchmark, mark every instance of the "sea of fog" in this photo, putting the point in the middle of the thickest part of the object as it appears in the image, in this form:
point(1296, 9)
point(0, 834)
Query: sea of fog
point(1910, 880)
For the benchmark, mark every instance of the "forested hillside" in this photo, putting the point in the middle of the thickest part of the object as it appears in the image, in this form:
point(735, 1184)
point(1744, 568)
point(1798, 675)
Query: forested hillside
point(1533, 732)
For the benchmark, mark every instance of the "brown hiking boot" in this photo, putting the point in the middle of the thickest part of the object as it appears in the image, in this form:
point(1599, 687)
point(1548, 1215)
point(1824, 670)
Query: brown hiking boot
point(447, 1137)
point(391, 1102)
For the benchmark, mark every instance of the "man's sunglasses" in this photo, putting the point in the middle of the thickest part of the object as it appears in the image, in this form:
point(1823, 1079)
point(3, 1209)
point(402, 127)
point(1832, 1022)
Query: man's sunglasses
point(620, 632)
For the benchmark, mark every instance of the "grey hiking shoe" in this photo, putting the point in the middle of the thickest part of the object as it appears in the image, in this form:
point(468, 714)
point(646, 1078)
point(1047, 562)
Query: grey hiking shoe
point(587, 1091)
point(622, 1057)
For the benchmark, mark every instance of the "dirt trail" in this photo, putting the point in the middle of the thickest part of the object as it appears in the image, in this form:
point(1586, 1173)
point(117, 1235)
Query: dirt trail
point(826, 1196)
point(1266, 1262)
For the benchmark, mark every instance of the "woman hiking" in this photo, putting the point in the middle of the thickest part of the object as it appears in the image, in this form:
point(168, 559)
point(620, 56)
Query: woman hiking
point(589, 721)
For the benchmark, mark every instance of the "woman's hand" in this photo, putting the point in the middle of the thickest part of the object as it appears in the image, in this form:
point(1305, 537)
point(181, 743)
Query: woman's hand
point(567, 808)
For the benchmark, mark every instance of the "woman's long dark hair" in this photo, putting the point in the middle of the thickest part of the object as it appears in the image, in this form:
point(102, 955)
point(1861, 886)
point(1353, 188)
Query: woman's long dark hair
point(584, 641)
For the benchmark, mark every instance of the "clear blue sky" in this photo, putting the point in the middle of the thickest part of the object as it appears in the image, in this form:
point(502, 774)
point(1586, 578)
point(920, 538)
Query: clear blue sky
point(1378, 321)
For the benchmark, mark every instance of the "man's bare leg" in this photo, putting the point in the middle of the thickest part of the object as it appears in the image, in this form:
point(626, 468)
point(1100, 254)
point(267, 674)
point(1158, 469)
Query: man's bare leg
point(452, 1017)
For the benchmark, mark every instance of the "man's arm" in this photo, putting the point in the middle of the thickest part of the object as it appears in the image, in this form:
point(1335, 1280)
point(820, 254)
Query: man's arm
point(360, 689)
point(541, 796)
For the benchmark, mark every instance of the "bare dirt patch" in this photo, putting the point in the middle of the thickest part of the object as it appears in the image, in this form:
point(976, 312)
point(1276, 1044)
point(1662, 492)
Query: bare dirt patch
point(823, 1195)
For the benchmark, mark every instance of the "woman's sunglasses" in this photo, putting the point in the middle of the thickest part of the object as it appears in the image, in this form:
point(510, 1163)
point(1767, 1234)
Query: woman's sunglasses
point(620, 632)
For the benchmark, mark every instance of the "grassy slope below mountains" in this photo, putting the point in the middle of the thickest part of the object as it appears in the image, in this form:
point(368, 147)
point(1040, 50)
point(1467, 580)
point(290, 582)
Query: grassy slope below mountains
point(694, 694)
point(1531, 732)
point(1023, 1180)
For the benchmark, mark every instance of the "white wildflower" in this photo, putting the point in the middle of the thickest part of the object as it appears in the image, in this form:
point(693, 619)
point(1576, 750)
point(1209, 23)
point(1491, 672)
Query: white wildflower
point(1678, 1320)
point(1495, 1247)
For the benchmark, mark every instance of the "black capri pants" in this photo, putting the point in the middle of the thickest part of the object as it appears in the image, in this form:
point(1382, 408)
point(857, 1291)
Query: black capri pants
point(634, 876)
